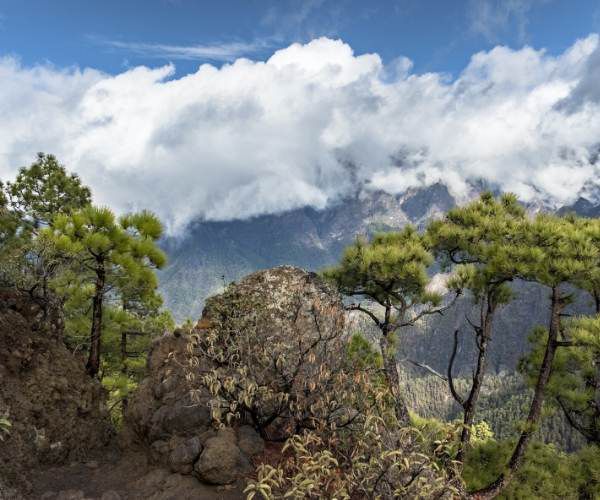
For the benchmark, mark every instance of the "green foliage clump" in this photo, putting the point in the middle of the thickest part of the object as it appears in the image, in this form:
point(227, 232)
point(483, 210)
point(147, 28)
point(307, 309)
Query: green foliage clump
point(392, 268)
point(546, 472)
point(485, 239)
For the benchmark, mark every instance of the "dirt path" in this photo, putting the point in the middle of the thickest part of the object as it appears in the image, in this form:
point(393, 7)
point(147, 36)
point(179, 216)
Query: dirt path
point(125, 477)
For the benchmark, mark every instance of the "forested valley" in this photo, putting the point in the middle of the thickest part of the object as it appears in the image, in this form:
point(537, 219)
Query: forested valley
point(290, 384)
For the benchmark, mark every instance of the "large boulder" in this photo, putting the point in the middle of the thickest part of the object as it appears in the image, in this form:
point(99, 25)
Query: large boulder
point(177, 429)
point(222, 461)
point(57, 411)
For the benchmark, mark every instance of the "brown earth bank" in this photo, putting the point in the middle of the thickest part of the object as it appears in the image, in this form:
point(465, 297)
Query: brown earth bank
point(61, 444)
point(58, 414)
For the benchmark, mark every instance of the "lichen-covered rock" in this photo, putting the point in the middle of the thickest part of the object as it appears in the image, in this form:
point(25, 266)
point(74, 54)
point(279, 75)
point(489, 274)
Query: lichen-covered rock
point(162, 415)
point(273, 330)
point(295, 299)
point(57, 411)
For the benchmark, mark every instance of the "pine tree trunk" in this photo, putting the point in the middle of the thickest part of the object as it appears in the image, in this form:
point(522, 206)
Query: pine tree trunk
point(535, 410)
point(470, 404)
point(596, 418)
point(93, 363)
point(388, 352)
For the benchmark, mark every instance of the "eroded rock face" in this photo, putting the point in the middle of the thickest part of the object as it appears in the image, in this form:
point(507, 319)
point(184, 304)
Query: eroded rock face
point(57, 412)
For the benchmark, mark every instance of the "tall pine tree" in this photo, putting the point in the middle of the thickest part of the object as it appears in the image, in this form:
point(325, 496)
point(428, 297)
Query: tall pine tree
point(110, 255)
point(390, 271)
point(482, 241)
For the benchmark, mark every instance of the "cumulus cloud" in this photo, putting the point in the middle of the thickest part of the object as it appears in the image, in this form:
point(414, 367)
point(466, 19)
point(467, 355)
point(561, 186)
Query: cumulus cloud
point(308, 125)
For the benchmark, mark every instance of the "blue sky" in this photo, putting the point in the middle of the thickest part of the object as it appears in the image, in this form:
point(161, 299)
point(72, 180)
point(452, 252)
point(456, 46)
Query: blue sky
point(437, 35)
point(152, 104)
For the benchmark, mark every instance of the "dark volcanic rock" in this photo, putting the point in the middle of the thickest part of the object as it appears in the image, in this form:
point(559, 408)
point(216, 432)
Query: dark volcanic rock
point(222, 461)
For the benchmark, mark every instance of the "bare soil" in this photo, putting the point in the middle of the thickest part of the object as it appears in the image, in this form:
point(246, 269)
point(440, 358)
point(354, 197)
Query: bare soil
point(123, 477)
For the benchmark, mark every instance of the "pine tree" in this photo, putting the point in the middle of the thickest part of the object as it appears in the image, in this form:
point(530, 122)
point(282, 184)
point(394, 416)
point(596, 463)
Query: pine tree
point(557, 253)
point(45, 189)
point(481, 240)
point(390, 271)
point(574, 384)
point(111, 256)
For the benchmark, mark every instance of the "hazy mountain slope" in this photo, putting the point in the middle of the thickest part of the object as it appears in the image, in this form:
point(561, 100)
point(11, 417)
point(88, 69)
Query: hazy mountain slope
point(212, 253)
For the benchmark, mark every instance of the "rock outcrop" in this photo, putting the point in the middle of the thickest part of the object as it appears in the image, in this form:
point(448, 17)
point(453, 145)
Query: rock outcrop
point(178, 432)
point(57, 412)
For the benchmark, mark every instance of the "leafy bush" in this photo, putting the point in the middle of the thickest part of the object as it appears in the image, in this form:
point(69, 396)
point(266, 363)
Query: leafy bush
point(372, 460)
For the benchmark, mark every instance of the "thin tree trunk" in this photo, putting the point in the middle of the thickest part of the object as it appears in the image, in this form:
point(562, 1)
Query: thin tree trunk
point(388, 352)
point(535, 410)
point(93, 363)
point(469, 406)
point(125, 400)
point(596, 418)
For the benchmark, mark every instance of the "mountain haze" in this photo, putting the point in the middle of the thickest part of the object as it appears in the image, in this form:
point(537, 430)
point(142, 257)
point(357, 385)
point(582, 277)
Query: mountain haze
point(213, 254)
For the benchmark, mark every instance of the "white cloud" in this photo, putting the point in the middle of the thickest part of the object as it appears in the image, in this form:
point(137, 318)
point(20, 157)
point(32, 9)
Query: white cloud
point(302, 127)
point(493, 18)
point(227, 51)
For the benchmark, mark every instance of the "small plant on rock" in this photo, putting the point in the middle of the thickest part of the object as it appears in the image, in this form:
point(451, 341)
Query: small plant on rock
point(5, 426)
